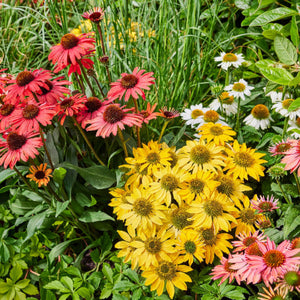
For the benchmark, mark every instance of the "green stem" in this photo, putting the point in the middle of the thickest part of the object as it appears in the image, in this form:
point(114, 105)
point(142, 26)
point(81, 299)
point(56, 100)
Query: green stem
point(86, 78)
point(237, 124)
point(88, 142)
point(137, 127)
point(297, 182)
point(285, 126)
point(163, 130)
point(120, 134)
point(283, 193)
point(46, 149)
point(80, 83)
point(99, 86)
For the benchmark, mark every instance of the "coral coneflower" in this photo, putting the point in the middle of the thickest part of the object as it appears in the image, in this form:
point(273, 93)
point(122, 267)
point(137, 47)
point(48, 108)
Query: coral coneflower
point(292, 158)
point(26, 83)
point(246, 240)
point(94, 15)
point(131, 85)
point(112, 118)
point(71, 49)
point(263, 204)
point(282, 147)
point(41, 175)
point(7, 112)
point(168, 113)
point(290, 280)
point(270, 294)
point(18, 147)
point(149, 113)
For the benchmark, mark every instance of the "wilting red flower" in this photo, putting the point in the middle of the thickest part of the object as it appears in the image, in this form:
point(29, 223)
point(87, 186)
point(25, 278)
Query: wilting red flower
point(246, 240)
point(168, 113)
point(7, 112)
point(149, 113)
point(112, 118)
point(292, 158)
point(86, 63)
point(29, 116)
point(93, 106)
point(26, 83)
point(41, 175)
point(131, 85)
point(70, 107)
point(56, 90)
point(71, 49)
point(263, 204)
point(16, 147)
point(282, 147)
point(95, 15)
point(224, 271)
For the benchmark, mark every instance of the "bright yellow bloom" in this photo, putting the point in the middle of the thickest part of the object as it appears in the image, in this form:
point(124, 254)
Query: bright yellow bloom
point(217, 133)
point(41, 175)
point(169, 273)
point(197, 155)
point(119, 198)
point(189, 245)
point(215, 210)
point(215, 244)
point(243, 161)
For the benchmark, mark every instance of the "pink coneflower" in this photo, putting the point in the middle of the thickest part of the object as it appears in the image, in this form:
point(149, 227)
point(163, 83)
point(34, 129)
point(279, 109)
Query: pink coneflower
point(224, 271)
point(29, 116)
point(93, 106)
point(149, 113)
point(263, 222)
point(18, 147)
point(273, 295)
point(282, 147)
point(131, 85)
point(26, 83)
point(246, 240)
point(112, 118)
point(295, 243)
point(71, 49)
point(70, 107)
point(7, 112)
point(56, 90)
point(292, 158)
point(95, 15)
point(263, 204)
point(289, 280)
point(168, 113)
point(274, 260)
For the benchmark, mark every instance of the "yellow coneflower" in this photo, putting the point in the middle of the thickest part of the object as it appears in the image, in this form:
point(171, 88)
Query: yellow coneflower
point(41, 175)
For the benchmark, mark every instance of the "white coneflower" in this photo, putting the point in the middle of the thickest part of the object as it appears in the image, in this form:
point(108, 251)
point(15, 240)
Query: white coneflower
point(225, 103)
point(239, 89)
point(229, 59)
point(259, 117)
point(294, 128)
point(282, 108)
point(192, 115)
point(277, 95)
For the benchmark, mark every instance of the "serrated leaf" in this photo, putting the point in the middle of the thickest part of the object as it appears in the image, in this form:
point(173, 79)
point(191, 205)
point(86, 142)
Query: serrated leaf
point(19, 296)
point(84, 293)
point(4, 287)
point(285, 50)
point(105, 293)
point(94, 216)
point(21, 284)
point(277, 75)
point(295, 81)
point(294, 32)
point(73, 271)
point(273, 15)
point(56, 285)
point(67, 282)
point(132, 275)
point(15, 273)
point(65, 296)
point(124, 285)
point(30, 289)
point(108, 273)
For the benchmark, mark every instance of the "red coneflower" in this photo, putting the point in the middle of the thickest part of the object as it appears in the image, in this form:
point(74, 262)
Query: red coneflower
point(95, 15)
point(112, 118)
point(26, 83)
point(71, 49)
point(168, 113)
point(56, 90)
point(70, 107)
point(93, 106)
point(131, 85)
point(3, 80)
point(29, 116)
point(149, 113)
point(282, 147)
point(16, 147)
point(7, 112)
point(41, 175)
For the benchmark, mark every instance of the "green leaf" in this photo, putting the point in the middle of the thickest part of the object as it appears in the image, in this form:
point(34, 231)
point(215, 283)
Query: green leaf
point(94, 216)
point(83, 200)
point(7, 173)
point(291, 220)
point(295, 81)
point(285, 50)
point(19, 296)
point(125, 285)
point(137, 294)
point(73, 271)
point(59, 175)
point(84, 293)
point(273, 15)
point(98, 176)
point(31, 290)
point(132, 275)
point(294, 32)
point(60, 207)
point(295, 104)
point(68, 282)
point(21, 284)
point(35, 223)
point(65, 296)
point(60, 248)
point(277, 75)
point(4, 253)
point(105, 292)
point(15, 273)
point(107, 271)
point(56, 285)
point(4, 287)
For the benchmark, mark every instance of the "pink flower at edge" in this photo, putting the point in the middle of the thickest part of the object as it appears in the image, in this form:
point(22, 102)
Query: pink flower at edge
point(245, 240)
point(131, 85)
point(292, 158)
point(282, 147)
point(263, 204)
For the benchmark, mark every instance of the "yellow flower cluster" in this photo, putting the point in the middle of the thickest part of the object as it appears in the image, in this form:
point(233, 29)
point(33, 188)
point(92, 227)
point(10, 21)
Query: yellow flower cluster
point(180, 206)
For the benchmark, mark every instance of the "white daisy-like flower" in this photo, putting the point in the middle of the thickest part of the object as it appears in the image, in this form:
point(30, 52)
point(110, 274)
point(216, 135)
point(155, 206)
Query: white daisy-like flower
point(229, 59)
point(225, 103)
point(192, 115)
point(276, 96)
point(294, 124)
point(259, 118)
point(239, 89)
point(283, 106)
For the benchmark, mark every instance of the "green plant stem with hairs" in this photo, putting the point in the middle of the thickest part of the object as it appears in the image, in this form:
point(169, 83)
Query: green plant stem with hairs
point(86, 78)
point(163, 130)
point(137, 127)
point(283, 193)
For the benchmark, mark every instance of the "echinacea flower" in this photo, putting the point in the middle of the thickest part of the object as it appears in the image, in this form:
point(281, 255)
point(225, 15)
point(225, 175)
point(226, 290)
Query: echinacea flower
point(224, 271)
point(291, 158)
point(210, 116)
point(259, 118)
point(294, 128)
point(263, 222)
point(229, 59)
point(7, 112)
point(247, 239)
point(239, 89)
point(95, 15)
point(26, 83)
point(18, 147)
point(168, 113)
point(178, 218)
point(289, 280)
point(225, 103)
point(263, 204)
point(114, 117)
point(131, 85)
point(270, 294)
point(282, 108)
point(71, 49)
point(41, 175)
point(191, 115)
point(282, 147)
point(149, 113)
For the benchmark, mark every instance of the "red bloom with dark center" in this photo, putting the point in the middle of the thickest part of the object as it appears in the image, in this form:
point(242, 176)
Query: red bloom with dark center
point(70, 107)
point(70, 50)
point(26, 83)
point(112, 118)
point(246, 240)
point(168, 113)
point(4, 78)
point(16, 147)
point(95, 15)
point(29, 116)
point(7, 112)
point(149, 113)
point(131, 85)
